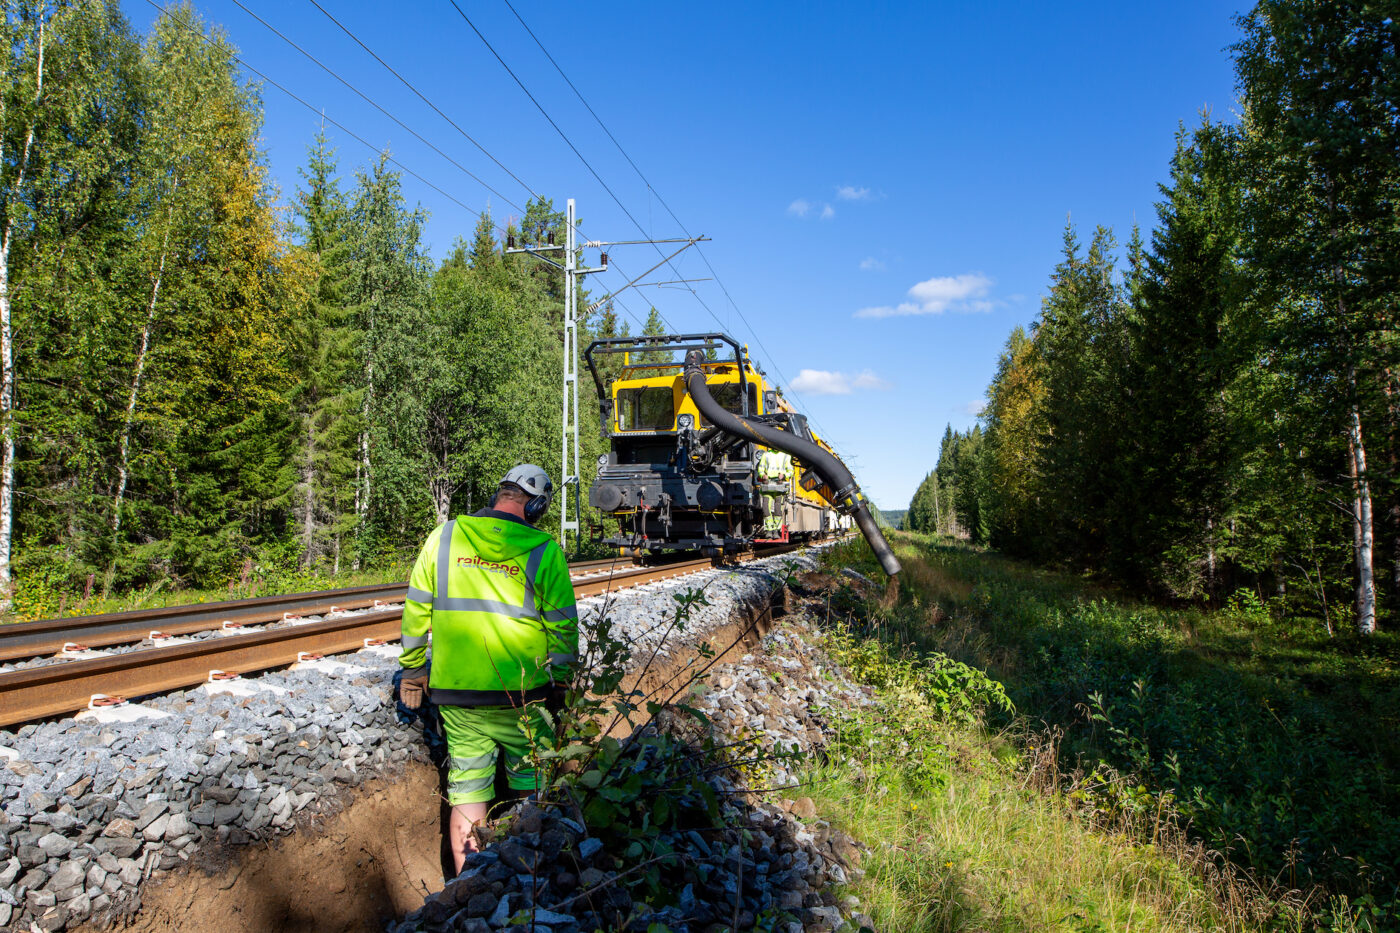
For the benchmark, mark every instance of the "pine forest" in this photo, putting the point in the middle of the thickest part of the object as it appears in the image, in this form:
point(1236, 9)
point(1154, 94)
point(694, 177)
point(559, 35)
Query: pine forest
point(1218, 410)
point(201, 387)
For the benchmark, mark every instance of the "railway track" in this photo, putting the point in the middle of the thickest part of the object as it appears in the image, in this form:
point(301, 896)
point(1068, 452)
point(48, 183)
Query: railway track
point(254, 635)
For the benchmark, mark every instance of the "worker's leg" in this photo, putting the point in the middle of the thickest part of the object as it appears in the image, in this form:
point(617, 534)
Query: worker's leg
point(772, 520)
point(461, 830)
point(471, 772)
point(521, 736)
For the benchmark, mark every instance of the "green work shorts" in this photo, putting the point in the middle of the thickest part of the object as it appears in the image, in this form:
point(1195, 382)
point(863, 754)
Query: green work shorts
point(475, 734)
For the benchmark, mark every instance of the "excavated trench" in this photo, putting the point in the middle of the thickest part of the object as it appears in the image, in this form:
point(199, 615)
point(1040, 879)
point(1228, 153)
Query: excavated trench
point(382, 852)
point(347, 872)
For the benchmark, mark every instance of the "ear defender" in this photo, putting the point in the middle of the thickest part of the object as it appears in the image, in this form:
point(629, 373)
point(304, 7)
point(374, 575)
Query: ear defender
point(536, 507)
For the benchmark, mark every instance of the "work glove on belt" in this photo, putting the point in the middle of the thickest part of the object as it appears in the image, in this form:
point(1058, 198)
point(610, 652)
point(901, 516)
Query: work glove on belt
point(413, 687)
point(557, 698)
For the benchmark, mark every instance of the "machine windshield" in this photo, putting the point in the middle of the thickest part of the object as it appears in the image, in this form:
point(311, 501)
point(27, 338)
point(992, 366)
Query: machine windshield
point(729, 398)
point(646, 409)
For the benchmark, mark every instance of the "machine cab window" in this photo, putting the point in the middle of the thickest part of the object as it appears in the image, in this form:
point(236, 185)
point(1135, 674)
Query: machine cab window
point(728, 396)
point(649, 408)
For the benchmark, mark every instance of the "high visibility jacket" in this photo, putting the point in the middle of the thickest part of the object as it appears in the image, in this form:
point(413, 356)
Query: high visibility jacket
point(497, 596)
point(774, 465)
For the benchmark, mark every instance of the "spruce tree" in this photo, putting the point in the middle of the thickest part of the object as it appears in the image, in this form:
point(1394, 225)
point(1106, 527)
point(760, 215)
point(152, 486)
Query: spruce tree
point(1181, 451)
point(1318, 83)
point(326, 398)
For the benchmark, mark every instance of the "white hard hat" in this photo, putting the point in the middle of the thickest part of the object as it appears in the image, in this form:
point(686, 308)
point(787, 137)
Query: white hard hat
point(530, 478)
point(536, 484)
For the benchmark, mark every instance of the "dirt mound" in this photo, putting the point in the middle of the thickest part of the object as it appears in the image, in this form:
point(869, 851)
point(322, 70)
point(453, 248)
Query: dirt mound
point(374, 860)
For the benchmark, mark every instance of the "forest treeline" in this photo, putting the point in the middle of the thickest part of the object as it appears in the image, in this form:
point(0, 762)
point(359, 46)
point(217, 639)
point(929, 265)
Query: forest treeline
point(1222, 410)
point(196, 381)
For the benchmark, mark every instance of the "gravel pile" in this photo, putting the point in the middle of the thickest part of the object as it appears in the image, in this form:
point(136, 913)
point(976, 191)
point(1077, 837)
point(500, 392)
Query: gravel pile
point(91, 810)
point(548, 871)
point(776, 860)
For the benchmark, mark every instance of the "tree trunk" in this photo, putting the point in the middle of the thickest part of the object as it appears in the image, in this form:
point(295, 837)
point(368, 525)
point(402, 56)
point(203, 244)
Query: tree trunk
point(937, 512)
point(124, 456)
point(1392, 411)
point(308, 477)
point(1210, 558)
point(442, 499)
point(359, 472)
point(1363, 533)
point(7, 354)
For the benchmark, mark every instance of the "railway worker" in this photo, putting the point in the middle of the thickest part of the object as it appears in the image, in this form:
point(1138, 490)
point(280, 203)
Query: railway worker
point(495, 591)
point(774, 472)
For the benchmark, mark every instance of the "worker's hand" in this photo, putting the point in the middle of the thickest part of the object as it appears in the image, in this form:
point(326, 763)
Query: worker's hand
point(412, 688)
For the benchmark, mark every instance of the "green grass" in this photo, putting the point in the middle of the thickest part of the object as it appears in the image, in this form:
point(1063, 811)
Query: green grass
point(963, 834)
point(984, 854)
point(1272, 742)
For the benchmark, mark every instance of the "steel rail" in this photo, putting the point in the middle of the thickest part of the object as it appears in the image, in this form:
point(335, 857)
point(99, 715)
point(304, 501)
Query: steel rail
point(22, 640)
point(48, 636)
point(56, 689)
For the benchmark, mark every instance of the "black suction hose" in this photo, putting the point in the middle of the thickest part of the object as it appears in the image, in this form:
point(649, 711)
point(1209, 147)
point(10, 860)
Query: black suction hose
point(824, 464)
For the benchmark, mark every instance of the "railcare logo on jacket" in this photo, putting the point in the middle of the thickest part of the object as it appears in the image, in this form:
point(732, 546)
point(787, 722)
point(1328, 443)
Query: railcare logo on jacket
point(476, 580)
point(489, 566)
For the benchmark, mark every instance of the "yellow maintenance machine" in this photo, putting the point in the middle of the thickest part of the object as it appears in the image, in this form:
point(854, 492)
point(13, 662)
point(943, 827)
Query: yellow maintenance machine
point(686, 438)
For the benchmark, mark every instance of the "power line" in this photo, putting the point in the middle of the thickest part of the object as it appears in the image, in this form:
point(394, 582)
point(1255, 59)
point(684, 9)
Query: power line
point(330, 71)
point(421, 96)
point(561, 133)
point(650, 187)
point(424, 99)
point(396, 120)
point(321, 113)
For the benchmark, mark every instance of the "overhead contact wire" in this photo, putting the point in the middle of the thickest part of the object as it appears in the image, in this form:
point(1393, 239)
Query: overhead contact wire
point(562, 135)
point(652, 188)
point(185, 24)
point(421, 96)
point(330, 71)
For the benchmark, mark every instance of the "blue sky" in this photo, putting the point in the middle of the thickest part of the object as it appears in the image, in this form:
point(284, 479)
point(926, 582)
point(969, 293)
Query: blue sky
point(885, 184)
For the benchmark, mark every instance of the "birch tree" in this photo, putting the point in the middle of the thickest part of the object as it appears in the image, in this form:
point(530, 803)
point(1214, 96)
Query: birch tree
point(1323, 146)
point(23, 72)
point(67, 122)
point(202, 461)
point(386, 289)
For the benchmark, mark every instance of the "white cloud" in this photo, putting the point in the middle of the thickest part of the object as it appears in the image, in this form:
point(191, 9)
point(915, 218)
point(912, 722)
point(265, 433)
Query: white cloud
point(868, 380)
point(803, 208)
point(824, 382)
point(940, 292)
point(966, 293)
point(871, 264)
point(852, 193)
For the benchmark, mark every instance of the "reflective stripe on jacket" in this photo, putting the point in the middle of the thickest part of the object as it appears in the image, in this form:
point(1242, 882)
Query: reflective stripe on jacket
point(774, 465)
point(496, 594)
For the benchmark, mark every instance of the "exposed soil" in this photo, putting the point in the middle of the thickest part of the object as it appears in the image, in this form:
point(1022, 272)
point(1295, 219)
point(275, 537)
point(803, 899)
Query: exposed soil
point(351, 871)
point(378, 857)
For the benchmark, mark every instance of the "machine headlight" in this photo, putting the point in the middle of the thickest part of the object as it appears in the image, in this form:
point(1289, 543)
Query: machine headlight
point(602, 460)
point(684, 422)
